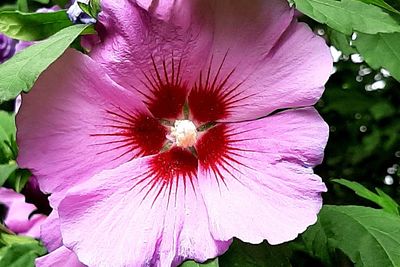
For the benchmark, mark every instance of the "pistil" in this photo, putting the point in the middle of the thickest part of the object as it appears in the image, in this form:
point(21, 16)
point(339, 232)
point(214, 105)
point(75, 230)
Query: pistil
point(183, 133)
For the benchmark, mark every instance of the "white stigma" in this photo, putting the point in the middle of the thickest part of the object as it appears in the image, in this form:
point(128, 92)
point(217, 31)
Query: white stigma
point(183, 134)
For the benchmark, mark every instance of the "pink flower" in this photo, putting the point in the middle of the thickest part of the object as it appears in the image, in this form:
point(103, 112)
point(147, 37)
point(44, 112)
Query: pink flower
point(60, 257)
point(20, 217)
point(163, 145)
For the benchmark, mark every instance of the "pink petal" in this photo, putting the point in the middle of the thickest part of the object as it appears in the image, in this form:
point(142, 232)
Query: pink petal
point(50, 232)
point(256, 177)
point(18, 217)
point(140, 52)
point(127, 217)
point(36, 222)
point(240, 60)
point(68, 120)
point(59, 257)
point(163, 9)
point(251, 80)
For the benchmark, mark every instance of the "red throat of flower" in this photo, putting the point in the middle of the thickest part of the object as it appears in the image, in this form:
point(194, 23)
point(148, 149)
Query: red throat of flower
point(182, 132)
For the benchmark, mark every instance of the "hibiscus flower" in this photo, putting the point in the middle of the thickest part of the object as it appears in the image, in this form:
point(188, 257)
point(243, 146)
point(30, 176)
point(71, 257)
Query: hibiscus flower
point(187, 125)
point(21, 217)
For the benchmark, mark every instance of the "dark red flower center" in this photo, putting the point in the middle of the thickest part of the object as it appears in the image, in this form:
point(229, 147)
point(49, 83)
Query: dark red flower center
point(170, 100)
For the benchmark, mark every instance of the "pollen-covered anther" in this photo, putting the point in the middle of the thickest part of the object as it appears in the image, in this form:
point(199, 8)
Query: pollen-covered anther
point(183, 133)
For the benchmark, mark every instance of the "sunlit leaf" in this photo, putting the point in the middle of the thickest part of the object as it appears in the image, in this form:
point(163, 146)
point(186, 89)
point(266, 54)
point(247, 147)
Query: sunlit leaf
point(32, 26)
point(7, 137)
point(341, 42)
point(21, 71)
point(6, 170)
point(382, 199)
point(18, 179)
point(92, 9)
point(347, 16)
point(8, 7)
point(369, 237)
point(381, 50)
point(19, 251)
point(381, 4)
point(22, 5)
point(44, 2)
point(210, 263)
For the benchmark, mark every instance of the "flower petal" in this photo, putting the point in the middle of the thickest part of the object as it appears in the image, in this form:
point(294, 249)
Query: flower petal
point(142, 52)
point(60, 257)
point(74, 114)
point(150, 56)
point(233, 72)
point(18, 215)
point(134, 219)
point(251, 80)
point(15, 202)
point(35, 223)
point(163, 9)
point(50, 233)
point(7, 47)
point(262, 186)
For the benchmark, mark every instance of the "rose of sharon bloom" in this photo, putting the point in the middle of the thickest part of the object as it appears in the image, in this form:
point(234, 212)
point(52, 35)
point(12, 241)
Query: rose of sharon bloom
point(19, 218)
point(60, 257)
point(166, 142)
point(50, 235)
point(7, 47)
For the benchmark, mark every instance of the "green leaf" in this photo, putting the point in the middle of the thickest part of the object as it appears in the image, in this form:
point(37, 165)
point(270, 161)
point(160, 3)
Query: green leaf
point(96, 6)
point(315, 243)
point(241, 254)
point(21, 71)
point(19, 251)
point(341, 42)
point(8, 149)
point(210, 263)
point(4, 230)
point(32, 26)
point(8, 8)
point(369, 237)
point(12, 239)
point(381, 4)
point(7, 126)
point(22, 5)
point(85, 8)
point(383, 200)
point(44, 2)
point(347, 16)
point(18, 179)
point(6, 170)
point(92, 9)
point(381, 50)
point(388, 203)
point(381, 110)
